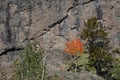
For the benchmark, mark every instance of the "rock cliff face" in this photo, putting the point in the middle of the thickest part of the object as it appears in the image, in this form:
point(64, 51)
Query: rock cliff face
point(52, 22)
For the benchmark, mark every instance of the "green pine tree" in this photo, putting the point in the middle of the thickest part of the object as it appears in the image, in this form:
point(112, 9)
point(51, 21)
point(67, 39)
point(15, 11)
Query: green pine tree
point(97, 46)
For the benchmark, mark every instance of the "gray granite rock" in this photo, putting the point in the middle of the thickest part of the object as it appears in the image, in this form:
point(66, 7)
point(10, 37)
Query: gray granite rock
point(59, 20)
point(83, 75)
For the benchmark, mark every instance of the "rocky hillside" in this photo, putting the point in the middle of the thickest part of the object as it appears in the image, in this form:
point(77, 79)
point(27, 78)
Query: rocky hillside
point(52, 23)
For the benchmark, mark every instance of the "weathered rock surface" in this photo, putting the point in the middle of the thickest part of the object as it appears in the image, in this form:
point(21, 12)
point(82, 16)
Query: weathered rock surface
point(57, 64)
point(83, 75)
point(53, 22)
point(24, 20)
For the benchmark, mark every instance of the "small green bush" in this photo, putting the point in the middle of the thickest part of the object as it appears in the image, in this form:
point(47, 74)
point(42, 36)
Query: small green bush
point(115, 70)
point(79, 62)
point(29, 66)
point(117, 50)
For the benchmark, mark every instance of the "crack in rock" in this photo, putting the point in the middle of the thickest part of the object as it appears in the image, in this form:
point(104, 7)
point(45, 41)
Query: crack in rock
point(51, 26)
point(63, 37)
point(11, 49)
point(57, 22)
point(75, 3)
point(87, 2)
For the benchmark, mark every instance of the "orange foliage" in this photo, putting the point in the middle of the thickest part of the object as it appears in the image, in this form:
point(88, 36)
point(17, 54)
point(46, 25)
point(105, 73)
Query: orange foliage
point(73, 47)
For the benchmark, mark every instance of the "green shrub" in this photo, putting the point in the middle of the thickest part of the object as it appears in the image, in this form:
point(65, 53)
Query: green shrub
point(29, 66)
point(115, 70)
point(79, 62)
point(97, 46)
point(117, 50)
